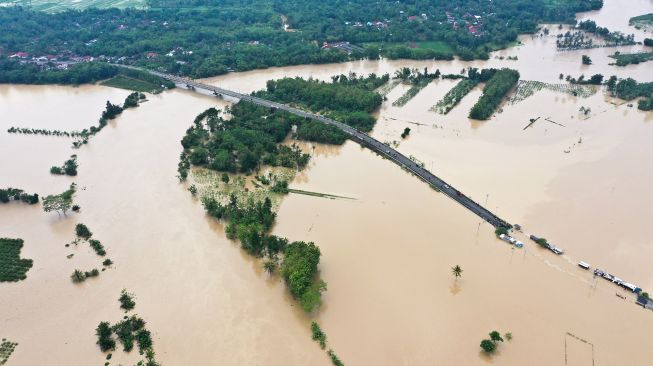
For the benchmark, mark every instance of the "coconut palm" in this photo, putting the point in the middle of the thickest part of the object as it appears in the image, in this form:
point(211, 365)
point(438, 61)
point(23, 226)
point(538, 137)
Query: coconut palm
point(457, 271)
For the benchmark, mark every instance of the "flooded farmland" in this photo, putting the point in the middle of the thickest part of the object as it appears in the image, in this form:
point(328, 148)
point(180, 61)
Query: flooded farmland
point(582, 182)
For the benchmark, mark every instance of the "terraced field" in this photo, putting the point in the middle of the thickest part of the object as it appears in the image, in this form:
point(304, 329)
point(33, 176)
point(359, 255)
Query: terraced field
point(53, 6)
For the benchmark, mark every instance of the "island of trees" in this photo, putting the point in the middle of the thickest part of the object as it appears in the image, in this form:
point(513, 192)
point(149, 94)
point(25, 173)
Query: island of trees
point(12, 267)
point(496, 88)
point(15, 194)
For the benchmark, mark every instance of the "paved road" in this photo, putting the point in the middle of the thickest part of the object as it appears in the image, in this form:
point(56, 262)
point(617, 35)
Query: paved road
point(356, 136)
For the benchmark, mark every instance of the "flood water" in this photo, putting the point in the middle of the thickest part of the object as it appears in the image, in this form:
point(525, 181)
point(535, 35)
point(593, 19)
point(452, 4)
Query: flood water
point(387, 255)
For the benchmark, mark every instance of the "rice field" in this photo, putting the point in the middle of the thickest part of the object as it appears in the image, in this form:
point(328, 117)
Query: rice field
point(411, 93)
point(454, 96)
point(383, 90)
point(526, 88)
point(54, 6)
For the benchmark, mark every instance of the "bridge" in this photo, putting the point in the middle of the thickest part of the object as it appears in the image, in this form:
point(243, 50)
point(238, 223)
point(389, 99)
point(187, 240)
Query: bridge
point(357, 136)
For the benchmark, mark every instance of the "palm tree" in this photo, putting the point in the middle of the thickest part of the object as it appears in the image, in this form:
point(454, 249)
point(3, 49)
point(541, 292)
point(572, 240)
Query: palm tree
point(457, 271)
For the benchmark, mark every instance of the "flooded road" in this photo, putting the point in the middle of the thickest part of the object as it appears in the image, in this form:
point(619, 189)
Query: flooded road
point(387, 255)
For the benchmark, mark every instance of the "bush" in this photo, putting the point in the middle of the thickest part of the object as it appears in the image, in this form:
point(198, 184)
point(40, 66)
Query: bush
point(105, 341)
point(318, 334)
point(97, 247)
point(78, 276)
point(82, 231)
point(488, 346)
point(127, 302)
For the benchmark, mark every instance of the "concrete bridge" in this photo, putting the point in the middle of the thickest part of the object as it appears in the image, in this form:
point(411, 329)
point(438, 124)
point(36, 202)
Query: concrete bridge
point(356, 136)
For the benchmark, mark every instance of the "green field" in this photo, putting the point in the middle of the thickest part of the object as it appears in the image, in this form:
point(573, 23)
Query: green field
point(431, 45)
point(644, 22)
point(53, 6)
point(12, 267)
point(125, 82)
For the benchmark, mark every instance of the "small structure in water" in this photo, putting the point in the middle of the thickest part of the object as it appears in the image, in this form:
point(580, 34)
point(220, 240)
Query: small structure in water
point(583, 265)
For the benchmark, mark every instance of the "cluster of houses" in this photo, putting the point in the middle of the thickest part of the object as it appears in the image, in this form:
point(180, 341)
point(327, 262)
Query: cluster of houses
point(61, 62)
point(473, 23)
point(380, 24)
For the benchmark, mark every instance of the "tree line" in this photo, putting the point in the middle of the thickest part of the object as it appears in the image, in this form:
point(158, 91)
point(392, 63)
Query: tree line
point(493, 92)
point(14, 194)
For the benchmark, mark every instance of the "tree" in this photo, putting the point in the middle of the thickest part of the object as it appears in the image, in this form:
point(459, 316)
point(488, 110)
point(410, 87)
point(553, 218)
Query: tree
point(78, 276)
point(405, 133)
point(82, 231)
point(495, 336)
point(586, 60)
point(488, 346)
point(105, 341)
point(59, 202)
point(457, 271)
point(225, 178)
point(126, 300)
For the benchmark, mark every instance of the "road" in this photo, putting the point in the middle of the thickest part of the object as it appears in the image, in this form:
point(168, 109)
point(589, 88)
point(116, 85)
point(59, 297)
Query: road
point(356, 136)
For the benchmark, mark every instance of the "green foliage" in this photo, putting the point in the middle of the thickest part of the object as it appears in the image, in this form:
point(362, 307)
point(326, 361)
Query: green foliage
point(105, 340)
point(233, 35)
point(495, 336)
point(15, 194)
point(334, 359)
point(240, 144)
point(126, 300)
point(501, 230)
point(299, 269)
point(69, 167)
point(457, 271)
point(645, 104)
point(97, 247)
point(648, 42)
point(78, 276)
point(82, 231)
point(586, 60)
point(542, 242)
point(12, 267)
point(348, 98)
point(488, 346)
point(495, 89)
point(508, 336)
point(107, 262)
point(144, 340)
point(624, 59)
point(629, 89)
point(318, 334)
point(6, 349)
point(60, 202)
point(405, 133)
point(132, 100)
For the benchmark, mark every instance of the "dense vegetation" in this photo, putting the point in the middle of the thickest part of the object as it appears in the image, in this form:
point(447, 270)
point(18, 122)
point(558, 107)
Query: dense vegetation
point(252, 136)
point(623, 59)
point(130, 331)
point(490, 345)
point(629, 89)
point(212, 37)
point(15, 194)
point(12, 267)
point(495, 89)
point(69, 167)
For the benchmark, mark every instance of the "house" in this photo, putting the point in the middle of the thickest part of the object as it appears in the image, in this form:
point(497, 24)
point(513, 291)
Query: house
point(152, 55)
point(412, 18)
point(21, 55)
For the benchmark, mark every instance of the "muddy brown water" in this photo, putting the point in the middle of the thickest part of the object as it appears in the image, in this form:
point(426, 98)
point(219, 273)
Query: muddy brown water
point(386, 255)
